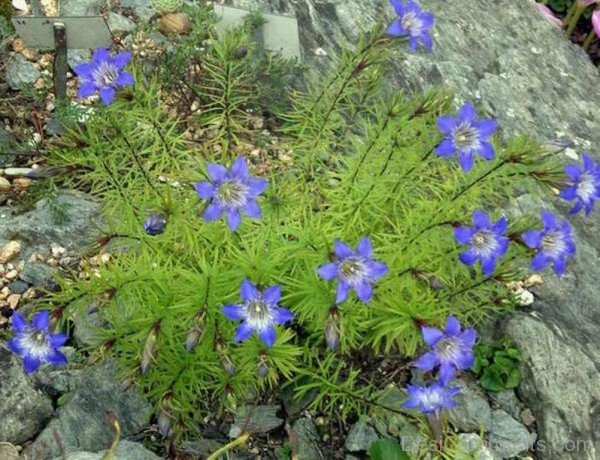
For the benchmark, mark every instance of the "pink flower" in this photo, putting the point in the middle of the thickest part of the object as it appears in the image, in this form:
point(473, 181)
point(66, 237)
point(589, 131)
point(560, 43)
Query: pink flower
point(549, 15)
point(596, 21)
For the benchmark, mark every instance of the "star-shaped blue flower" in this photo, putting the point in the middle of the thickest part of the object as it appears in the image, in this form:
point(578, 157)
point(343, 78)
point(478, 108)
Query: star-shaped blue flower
point(487, 241)
point(555, 244)
point(466, 136)
point(104, 74)
point(260, 313)
point(230, 192)
point(412, 22)
point(354, 269)
point(35, 343)
point(431, 399)
point(585, 188)
point(451, 349)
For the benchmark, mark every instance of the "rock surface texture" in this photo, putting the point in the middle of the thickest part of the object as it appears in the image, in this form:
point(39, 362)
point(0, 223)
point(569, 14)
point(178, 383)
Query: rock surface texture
point(507, 59)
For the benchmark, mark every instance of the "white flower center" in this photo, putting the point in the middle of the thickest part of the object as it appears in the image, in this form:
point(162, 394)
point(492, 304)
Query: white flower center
point(485, 242)
point(412, 23)
point(431, 399)
point(448, 349)
point(258, 313)
point(553, 244)
point(353, 269)
point(232, 194)
point(35, 343)
point(466, 137)
point(105, 74)
point(587, 187)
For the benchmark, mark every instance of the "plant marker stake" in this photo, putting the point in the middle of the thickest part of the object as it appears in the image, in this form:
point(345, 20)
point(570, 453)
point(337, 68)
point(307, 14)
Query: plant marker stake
point(60, 61)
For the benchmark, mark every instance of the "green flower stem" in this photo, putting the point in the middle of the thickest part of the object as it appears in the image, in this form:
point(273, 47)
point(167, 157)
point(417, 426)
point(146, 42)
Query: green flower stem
point(479, 179)
point(589, 39)
point(574, 19)
point(242, 439)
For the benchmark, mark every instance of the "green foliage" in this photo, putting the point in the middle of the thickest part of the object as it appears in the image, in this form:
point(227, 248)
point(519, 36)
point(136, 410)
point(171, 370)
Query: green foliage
point(363, 164)
point(6, 10)
point(497, 365)
point(167, 6)
point(386, 449)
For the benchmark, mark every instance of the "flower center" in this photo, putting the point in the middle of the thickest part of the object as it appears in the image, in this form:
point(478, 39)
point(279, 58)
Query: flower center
point(412, 23)
point(105, 74)
point(587, 187)
point(465, 137)
point(431, 399)
point(259, 314)
point(553, 244)
point(35, 343)
point(484, 242)
point(448, 349)
point(232, 194)
point(353, 269)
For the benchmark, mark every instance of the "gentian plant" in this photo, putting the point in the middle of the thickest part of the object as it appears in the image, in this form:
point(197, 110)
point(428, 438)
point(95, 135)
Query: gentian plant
point(359, 161)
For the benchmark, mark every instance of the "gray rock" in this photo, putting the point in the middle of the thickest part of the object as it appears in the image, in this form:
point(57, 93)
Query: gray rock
point(472, 447)
point(143, 8)
point(561, 385)
point(7, 142)
point(307, 439)
point(78, 56)
point(57, 381)
point(39, 228)
point(24, 410)
point(126, 450)
point(544, 87)
point(18, 287)
point(508, 401)
point(262, 419)
point(87, 324)
point(201, 447)
point(472, 411)
point(20, 73)
point(37, 274)
point(81, 7)
point(360, 437)
point(82, 422)
point(508, 438)
point(120, 25)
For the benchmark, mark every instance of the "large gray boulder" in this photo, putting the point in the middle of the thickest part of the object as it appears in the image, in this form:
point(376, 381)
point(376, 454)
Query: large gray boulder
point(24, 409)
point(82, 422)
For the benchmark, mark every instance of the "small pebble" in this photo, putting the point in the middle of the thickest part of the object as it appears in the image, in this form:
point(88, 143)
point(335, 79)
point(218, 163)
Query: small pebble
point(10, 250)
point(13, 300)
point(11, 275)
point(18, 287)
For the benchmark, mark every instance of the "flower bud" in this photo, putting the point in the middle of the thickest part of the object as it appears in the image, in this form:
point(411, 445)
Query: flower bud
point(196, 331)
point(332, 329)
point(149, 351)
point(263, 366)
point(155, 224)
point(226, 362)
point(164, 423)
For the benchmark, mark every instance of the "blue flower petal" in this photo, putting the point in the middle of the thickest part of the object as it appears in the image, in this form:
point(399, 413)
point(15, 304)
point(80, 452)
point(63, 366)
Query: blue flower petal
point(341, 250)
point(41, 320)
point(205, 190)
point(447, 372)
point(124, 79)
point(467, 112)
point(101, 55)
point(463, 235)
point(216, 172)
point(446, 124)
point(107, 95)
point(267, 335)
point(431, 335)
point(452, 326)
point(233, 218)
point(559, 266)
point(573, 171)
point(248, 291)
point(533, 238)
point(86, 89)
point(364, 247)
point(121, 59)
point(549, 220)
point(426, 362)
point(364, 291)
point(14, 345)
point(445, 149)
point(466, 160)
point(272, 295)
point(486, 151)
point(395, 29)
point(244, 331)
point(539, 262)
point(481, 220)
point(328, 271)
point(233, 312)
point(486, 127)
point(213, 212)
point(488, 265)
point(56, 358)
point(18, 322)
point(31, 363)
point(281, 315)
point(252, 209)
point(239, 169)
point(342, 292)
point(377, 270)
point(57, 339)
point(468, 257)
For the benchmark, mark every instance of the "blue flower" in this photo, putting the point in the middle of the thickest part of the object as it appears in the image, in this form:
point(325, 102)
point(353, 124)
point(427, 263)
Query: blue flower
point(467, 136)
point(231, 191)
point(412, 22)
point(431, 399)
point(486, 239)
point(35, 343)
point(555, 244)
point(355, 270)
point(451, 349)
point(259, 313)
point(104, 74)
point(586, 185)
point(155, 225)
